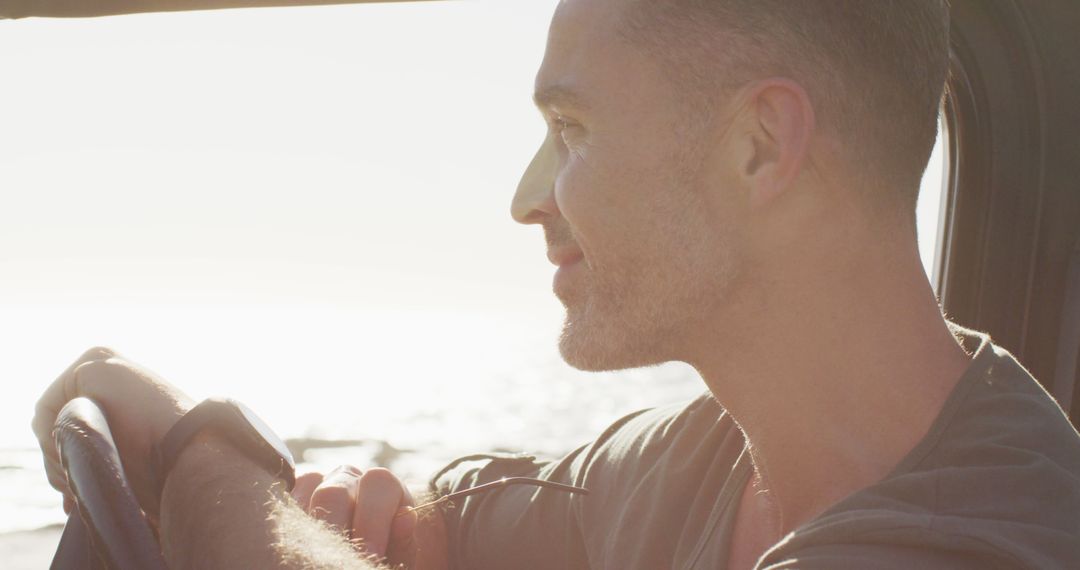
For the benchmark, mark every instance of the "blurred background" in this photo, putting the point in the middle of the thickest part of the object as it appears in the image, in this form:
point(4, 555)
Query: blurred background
point(306, 209)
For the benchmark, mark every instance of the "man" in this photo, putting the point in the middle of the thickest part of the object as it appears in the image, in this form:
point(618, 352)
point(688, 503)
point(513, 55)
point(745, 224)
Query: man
point(729, 184)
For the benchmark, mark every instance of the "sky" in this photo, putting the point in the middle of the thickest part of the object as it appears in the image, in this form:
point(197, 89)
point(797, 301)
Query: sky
point(275, 203)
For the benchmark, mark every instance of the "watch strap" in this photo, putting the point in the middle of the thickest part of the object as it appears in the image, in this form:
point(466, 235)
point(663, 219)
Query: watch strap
point(231, 421)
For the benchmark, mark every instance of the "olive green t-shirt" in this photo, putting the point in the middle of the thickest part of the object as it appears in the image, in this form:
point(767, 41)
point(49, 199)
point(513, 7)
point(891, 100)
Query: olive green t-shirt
point(995, 483)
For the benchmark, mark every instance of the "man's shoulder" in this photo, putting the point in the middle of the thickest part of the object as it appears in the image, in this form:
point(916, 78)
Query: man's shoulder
point(1000, 420)
point(664, 423)
point(888, 556)
point(996, 480)
point(901, 538)
point(687, 434)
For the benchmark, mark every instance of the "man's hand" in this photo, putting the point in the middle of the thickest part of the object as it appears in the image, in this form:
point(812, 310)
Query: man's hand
point(139, 406)
point(372, 510)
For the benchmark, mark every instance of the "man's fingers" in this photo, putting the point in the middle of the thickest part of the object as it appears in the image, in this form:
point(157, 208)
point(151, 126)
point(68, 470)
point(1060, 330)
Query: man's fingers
point(362, 505)
point(402, 547)
point(378, 499)
point(334, 498)
point(55, 396)
point(56, 475)
point(305, 486)
point(49, 405)
point(404, 519)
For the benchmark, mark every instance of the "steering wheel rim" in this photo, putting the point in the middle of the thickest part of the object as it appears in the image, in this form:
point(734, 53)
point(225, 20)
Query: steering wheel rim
point(107, 528)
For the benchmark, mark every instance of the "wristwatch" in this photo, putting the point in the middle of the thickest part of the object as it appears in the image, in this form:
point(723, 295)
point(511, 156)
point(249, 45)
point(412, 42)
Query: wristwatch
point(234, 422)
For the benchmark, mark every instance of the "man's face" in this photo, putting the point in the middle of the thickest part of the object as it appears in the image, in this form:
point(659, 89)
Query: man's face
point(620, 189)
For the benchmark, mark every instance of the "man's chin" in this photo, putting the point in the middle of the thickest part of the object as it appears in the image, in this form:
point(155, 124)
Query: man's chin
point(599, 351)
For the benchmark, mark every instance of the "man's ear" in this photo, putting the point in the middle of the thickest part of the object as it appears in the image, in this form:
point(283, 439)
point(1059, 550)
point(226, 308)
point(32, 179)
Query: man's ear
point(779, 121)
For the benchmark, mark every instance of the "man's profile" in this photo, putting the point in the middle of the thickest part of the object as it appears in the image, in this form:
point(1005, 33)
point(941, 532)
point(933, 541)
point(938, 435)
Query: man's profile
point(730, 184)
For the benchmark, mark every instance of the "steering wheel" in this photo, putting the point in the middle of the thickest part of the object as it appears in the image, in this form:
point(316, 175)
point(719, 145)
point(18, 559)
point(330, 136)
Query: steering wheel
point(107, 529)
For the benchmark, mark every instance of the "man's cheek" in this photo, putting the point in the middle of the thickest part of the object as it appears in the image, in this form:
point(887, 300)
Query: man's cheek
point(588, 188)
point(572, 195)
point(568, 186)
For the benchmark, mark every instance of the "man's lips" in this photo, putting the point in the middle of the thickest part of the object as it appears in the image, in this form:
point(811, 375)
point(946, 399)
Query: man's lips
point(568, 259)
point(564, 255)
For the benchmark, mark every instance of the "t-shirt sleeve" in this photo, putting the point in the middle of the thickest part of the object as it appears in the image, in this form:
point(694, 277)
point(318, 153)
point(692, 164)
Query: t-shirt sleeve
point(883, 557)
point(521, 527)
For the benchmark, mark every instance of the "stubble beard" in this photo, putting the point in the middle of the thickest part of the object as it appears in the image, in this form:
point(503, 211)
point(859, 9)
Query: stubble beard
point(612, 326)
point(648, 310)
point(606, 330)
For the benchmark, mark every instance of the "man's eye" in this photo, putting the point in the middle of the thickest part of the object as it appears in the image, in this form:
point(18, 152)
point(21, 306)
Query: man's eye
point(561, 125)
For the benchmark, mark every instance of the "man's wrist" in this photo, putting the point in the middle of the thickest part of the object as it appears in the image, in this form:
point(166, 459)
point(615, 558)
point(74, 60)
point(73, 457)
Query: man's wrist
point(212, 496)
point(211, 465)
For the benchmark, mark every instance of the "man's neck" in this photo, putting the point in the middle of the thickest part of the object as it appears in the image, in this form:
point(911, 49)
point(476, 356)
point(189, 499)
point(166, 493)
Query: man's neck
point(834, 372)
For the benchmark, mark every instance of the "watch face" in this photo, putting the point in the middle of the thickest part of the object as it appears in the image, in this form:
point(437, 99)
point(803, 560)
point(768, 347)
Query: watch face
point(264, 430)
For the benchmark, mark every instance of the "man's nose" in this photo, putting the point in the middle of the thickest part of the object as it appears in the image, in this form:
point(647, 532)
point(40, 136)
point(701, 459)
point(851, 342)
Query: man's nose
point(535, 197)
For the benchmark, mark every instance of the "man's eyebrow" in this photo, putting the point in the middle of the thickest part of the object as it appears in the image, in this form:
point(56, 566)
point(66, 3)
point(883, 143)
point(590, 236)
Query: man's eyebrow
point(558, 96)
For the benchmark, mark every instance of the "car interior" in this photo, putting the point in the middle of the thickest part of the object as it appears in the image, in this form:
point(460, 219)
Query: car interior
point(1008, 259)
